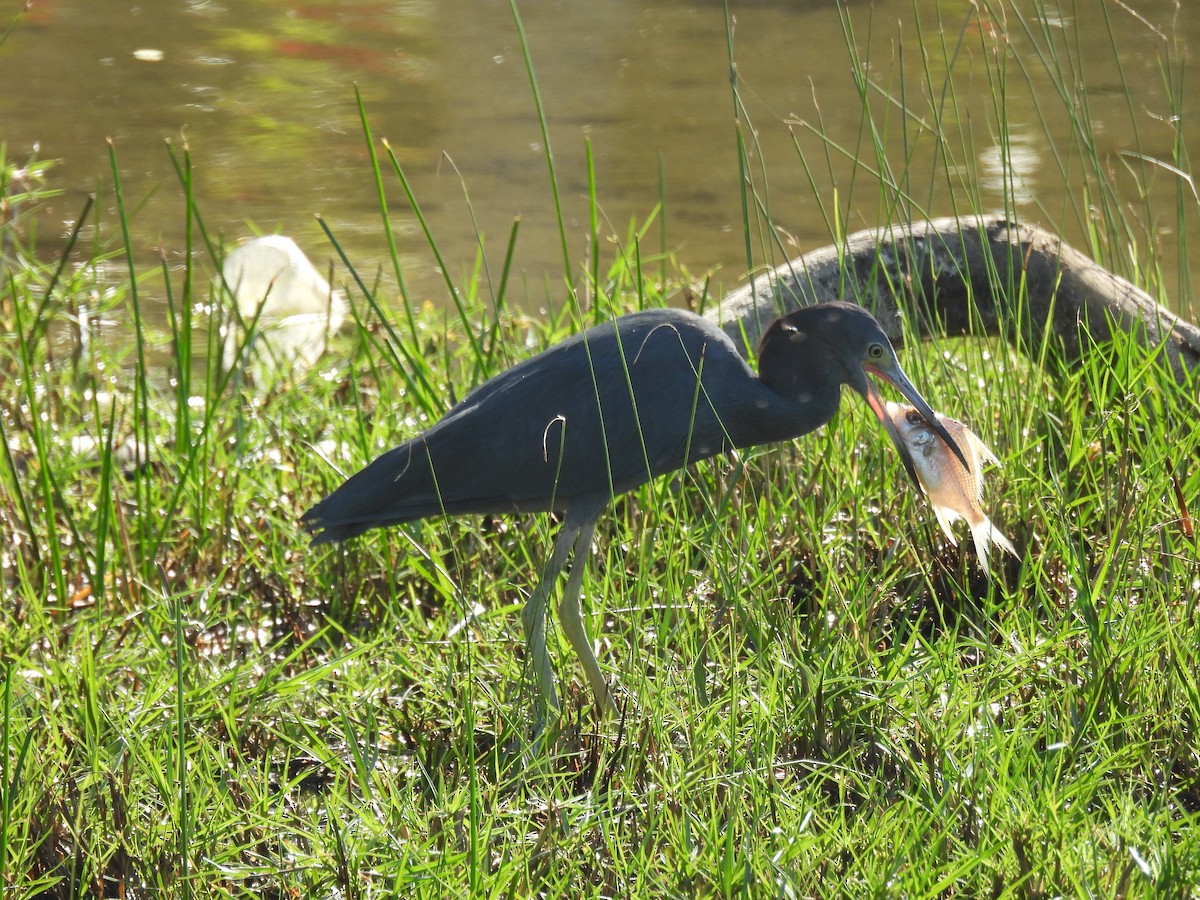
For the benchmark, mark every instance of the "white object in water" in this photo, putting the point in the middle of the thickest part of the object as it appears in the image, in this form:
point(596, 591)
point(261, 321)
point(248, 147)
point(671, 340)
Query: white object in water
point(288, 306)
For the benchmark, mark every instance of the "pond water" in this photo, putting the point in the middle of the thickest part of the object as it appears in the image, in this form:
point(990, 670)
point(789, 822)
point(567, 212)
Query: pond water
point(262, 92)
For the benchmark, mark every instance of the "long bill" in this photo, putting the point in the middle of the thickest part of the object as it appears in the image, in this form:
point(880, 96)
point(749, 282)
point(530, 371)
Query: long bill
point(896, 378)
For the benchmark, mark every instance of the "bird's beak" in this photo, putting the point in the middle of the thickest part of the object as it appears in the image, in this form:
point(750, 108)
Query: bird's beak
point(895, 376)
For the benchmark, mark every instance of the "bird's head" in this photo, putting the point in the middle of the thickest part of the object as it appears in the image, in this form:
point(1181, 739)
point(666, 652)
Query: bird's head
point(841, 343)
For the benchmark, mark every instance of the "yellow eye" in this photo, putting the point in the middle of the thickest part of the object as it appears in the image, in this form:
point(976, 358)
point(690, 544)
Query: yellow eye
point(875, 351)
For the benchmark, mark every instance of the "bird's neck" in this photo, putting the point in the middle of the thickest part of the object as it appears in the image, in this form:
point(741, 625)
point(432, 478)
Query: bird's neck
point(807, 381)
point(804, 407)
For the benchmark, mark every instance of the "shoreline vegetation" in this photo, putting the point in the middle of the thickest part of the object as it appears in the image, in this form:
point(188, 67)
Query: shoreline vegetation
point(819, 694)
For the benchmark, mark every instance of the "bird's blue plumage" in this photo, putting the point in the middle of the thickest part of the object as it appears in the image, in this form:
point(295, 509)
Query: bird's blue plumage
point(593, 416)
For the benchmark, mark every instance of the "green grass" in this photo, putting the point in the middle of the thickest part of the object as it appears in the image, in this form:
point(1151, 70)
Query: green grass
point(821, 696)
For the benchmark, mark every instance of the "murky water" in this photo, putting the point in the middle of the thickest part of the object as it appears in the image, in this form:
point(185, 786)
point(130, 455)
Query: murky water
point(262, 93)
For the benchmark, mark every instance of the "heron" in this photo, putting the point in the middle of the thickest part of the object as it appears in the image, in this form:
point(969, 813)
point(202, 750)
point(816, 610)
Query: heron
point(604, 412)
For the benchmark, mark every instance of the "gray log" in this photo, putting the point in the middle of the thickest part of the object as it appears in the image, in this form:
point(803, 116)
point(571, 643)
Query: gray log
point(967, 276)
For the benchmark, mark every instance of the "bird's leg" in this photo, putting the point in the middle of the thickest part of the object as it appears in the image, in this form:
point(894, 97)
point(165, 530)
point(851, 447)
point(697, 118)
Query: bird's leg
point(533, 617)
point(570, 615)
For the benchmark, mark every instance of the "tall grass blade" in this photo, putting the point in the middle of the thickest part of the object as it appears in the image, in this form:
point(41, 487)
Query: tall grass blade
point(381, 195)
point(141, 389)
point(547, 150)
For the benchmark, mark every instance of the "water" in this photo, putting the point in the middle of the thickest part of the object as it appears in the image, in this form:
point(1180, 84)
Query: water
point(262, 93)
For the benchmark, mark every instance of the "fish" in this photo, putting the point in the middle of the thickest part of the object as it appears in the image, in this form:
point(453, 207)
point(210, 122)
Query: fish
point(954, 492)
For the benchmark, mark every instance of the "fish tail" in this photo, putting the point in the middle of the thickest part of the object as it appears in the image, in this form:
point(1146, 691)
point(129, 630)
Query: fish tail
point(946, 516)
point(985, 534)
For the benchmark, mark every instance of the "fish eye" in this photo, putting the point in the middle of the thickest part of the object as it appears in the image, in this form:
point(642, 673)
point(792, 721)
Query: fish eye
point(875, 351)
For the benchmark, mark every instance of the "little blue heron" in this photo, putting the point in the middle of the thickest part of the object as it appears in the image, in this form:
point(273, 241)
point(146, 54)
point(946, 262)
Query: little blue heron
point(605, 411)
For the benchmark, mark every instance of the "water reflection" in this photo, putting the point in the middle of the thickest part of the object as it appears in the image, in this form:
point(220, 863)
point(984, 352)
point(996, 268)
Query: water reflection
point(1011, 168)
point(262, 93)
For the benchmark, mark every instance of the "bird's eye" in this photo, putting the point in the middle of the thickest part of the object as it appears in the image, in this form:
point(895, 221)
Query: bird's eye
point(875, 351)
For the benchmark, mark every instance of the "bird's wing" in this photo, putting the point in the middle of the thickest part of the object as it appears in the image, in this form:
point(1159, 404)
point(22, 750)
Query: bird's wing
point(590, 418)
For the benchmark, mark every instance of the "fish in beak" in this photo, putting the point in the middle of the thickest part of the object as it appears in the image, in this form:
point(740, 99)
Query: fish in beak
point(954, 492)
point(891, 372)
